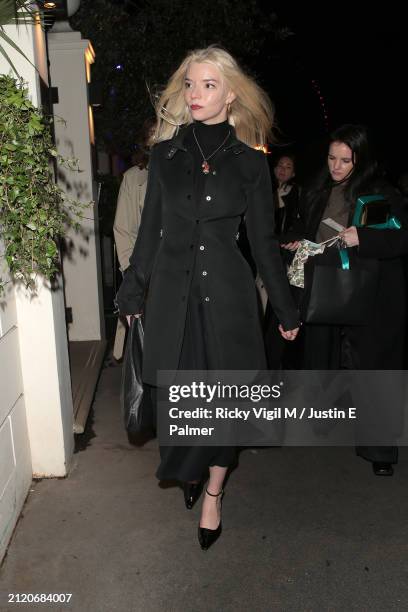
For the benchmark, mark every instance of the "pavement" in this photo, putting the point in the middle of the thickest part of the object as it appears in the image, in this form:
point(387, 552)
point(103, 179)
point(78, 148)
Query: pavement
point(305, 530)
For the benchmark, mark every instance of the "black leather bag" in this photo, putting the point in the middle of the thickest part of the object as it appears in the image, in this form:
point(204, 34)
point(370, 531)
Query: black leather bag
point(337, 296)
point(136, 397)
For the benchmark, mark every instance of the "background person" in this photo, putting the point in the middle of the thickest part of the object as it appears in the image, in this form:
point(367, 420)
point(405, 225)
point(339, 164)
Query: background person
point(129, 212)
point(286, 202)
point(351, 172)
point(286, 194)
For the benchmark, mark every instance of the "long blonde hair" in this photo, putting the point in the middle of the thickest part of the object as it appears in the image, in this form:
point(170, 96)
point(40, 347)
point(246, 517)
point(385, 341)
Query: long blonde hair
point(251, 113)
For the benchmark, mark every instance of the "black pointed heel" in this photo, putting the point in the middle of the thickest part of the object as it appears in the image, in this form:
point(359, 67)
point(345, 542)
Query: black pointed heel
point(192, 491)
point(382, 468)
point(207, 537)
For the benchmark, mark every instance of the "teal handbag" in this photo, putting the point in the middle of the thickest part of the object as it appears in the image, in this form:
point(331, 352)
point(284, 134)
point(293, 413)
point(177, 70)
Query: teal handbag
point(370, 208)
point(374, 211)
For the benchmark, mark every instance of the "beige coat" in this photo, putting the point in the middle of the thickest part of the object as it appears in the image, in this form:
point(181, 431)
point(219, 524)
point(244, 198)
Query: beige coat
point(128, 213)
point(127, 222)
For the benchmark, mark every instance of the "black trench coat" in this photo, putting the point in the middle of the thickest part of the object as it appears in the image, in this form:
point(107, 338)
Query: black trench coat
point(178, 233)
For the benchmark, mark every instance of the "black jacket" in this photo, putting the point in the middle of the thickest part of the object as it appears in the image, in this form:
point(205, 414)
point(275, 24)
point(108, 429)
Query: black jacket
point(380, 344)
point(178, 233)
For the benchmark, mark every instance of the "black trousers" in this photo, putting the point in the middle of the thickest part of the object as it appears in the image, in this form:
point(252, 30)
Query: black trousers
point(328, 347)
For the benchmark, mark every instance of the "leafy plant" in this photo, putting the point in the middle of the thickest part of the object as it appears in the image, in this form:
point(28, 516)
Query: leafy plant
point(34, 211)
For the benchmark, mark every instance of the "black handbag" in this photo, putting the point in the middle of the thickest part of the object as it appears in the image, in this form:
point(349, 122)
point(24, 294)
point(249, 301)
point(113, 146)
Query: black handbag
point(339, 291)
point(136, 400)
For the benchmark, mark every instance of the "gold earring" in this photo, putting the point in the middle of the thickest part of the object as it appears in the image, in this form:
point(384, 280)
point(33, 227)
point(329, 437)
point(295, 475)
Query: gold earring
point(229, 108)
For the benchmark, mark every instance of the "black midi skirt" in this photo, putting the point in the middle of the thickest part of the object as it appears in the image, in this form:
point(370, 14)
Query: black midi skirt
point(199, 352)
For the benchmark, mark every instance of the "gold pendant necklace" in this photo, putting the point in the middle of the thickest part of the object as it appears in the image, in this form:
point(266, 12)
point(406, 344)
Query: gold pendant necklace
point(205, 165)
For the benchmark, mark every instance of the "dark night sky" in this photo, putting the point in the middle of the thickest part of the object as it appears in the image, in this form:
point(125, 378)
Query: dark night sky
point(356, 54)
point(359, 61)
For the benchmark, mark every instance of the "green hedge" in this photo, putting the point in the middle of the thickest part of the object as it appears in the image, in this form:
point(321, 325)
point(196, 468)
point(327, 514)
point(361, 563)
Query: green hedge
point(34, 211)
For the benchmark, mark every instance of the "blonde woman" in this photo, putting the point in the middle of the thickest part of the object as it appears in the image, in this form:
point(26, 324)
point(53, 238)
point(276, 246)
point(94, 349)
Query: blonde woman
point(201, 307)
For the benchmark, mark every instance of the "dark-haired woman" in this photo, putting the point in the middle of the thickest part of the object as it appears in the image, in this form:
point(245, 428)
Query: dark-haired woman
point(279, 353)
point(286, 194)
point(352, 172)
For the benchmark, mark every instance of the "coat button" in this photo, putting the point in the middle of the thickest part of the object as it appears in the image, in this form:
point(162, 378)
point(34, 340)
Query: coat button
point(191, 246)
point(202, 247)
point(204, 272)
point(214, 172)
point(208, 198)
point(189, 197)
point(183, 299)
point(207, 299)
point(187, 272)
point(197, 221)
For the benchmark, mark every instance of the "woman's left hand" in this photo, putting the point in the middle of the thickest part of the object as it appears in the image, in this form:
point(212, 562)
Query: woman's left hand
point(291, 246)
point(290, 334)
point(350, 236)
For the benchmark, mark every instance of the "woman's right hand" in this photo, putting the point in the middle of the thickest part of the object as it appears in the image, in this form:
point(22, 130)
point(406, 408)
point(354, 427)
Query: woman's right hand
point(130, 317)
point(290, 334)
point(291, 246)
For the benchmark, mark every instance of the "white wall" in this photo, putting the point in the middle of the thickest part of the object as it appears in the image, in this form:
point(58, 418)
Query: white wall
point(15, 459)
point(35, 384)
point(71, 58)
point(31, 41)
point(46, 376)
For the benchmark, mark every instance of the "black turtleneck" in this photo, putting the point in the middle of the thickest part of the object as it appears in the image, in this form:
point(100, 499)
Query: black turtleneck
point(209, 136)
